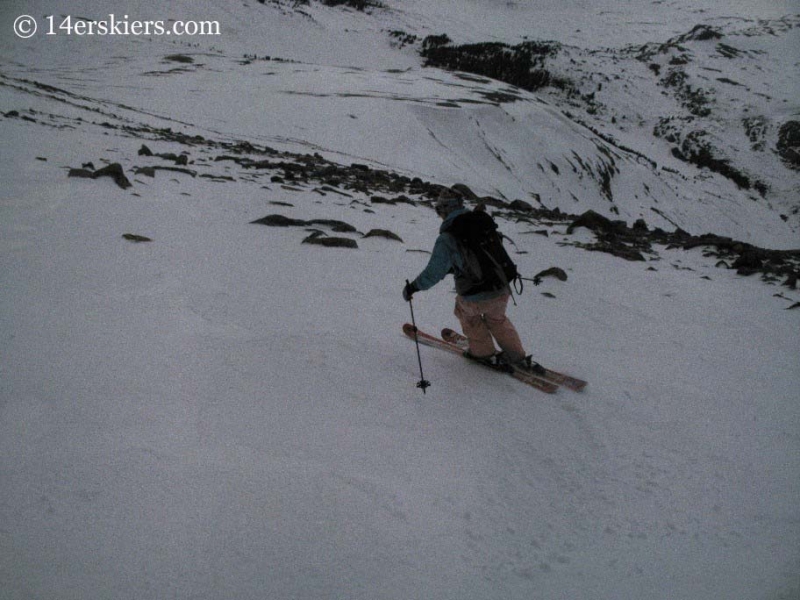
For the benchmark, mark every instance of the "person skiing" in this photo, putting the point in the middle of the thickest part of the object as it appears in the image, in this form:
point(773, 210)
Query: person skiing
point(482, 292)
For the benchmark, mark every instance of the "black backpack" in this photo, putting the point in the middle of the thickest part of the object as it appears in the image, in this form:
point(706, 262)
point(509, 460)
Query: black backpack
point(488, 267)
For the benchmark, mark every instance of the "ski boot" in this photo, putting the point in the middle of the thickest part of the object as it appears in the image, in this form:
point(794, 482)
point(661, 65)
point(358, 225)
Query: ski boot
point(493, 361)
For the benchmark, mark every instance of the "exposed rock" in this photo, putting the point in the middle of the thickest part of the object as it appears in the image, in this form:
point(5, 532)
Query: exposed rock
point(594, 221)
point(81, 173)
point(613, 237)
point(789, 143)
point(556, 272)
point(385, 233)
point(391, 201)
point(113, 170)
point(330, 242)
point(151, 171)
point(279, 221)
point(700, 33)
point(728, 51)
point(337, 226)
point(178, 159)
point(147, 171)
point(696, 149)
point(283, 221)
point(619, 250)
point(521, 65)
point(521, 206)
point(748, 263)
point(361, 5)
point(132, 237)
point(492, 201)
point(179, 58)
point(464, 190)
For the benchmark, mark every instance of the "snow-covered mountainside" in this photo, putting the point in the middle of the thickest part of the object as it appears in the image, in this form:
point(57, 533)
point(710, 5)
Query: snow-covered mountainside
point(697, 131)
point(204, 388)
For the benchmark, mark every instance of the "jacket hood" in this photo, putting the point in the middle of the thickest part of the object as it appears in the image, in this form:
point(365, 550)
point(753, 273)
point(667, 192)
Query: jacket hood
point(451, 217)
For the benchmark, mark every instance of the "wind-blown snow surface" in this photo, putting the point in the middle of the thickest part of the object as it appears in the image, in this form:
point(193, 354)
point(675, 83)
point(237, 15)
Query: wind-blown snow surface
point(227, 413)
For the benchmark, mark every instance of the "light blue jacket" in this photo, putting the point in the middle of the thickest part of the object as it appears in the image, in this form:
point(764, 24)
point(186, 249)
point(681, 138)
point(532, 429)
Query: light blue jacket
point(445, 259)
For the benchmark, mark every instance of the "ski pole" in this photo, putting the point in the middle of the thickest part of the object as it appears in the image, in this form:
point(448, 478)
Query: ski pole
point(422, 383)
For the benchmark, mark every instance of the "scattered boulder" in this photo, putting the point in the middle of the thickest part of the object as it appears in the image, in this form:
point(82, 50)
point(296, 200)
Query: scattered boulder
point(147, 171)
point(591, 220)
point(317, 237)
point(179, 58)
point(113, 170)
point(279, 221)
point(748, 263)
point(700, 33)
point(521, 206)
point(221, 178)
point(556, 272)
point(492, 201)
point(402, 199)
point(132, 237)
point(360, 181)
point(618, 250)
point(464, 191)
point(337, 226)
point(321, 239)
point(385, 233)
point(283, 221)
point(613, 237)
point(179, 160)
point(82, 173)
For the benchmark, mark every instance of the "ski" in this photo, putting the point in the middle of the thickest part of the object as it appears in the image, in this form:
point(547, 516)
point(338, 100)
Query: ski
point(434, 342)
point(568, 381)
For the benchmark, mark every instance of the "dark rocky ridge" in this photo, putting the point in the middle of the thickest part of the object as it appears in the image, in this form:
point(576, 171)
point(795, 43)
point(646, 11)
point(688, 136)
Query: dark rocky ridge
point(635, 242)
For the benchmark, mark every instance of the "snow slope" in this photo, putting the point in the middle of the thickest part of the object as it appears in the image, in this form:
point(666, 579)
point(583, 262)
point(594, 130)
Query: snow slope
point(226, 412)
point(345, 87)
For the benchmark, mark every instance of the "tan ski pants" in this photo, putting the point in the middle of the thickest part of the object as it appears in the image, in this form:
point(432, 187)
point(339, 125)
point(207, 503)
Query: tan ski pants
point(484, 323)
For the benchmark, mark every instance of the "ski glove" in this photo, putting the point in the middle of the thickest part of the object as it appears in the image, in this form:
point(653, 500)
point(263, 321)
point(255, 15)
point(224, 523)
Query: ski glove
point(408, 291)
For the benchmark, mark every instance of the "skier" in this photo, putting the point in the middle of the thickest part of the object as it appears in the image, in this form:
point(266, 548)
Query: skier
point(482, 293)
